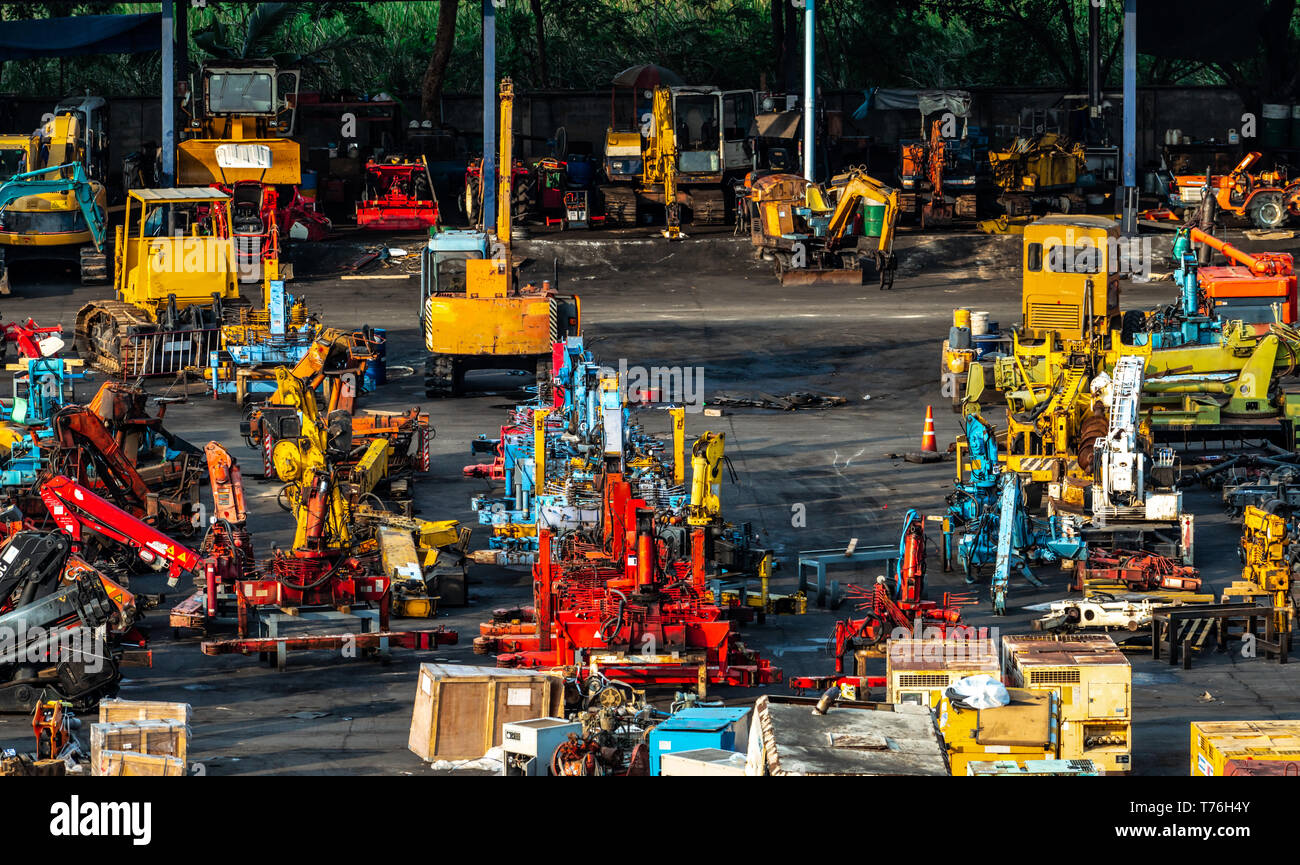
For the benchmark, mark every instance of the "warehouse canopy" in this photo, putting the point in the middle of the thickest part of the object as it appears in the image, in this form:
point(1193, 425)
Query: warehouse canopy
point(80, 35)
point(925, 101)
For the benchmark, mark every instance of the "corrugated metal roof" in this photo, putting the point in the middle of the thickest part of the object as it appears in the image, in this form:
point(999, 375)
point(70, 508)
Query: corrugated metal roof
point(180, 193)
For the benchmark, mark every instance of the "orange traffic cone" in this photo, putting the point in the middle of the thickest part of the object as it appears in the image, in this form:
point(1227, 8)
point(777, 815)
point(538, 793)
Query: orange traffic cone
point(929, 452)
point(928, 443)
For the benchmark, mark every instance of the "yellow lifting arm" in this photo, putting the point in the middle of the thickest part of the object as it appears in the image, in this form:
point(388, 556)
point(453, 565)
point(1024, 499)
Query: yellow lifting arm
point(862, 186)
point(706, 475)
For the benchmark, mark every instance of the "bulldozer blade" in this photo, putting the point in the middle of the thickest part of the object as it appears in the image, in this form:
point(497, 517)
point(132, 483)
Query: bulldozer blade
point(809, 276)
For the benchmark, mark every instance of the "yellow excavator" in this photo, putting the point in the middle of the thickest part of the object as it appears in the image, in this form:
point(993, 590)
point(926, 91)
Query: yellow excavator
point(54, 206)
point(805, 227)
point(474, 312)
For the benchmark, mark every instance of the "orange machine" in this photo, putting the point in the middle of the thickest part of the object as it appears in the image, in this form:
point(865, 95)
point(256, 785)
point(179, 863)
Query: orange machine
point(1250, 287)
point(1266, 198)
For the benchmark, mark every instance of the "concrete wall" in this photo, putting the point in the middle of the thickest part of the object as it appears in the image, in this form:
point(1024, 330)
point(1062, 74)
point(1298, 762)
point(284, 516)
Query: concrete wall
point(1201, 112)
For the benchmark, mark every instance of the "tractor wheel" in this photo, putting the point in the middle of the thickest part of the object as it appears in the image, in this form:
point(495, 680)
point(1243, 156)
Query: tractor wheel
point(1267, 210)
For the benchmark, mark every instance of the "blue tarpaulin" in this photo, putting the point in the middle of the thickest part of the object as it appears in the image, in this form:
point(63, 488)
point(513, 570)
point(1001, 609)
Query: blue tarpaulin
point(83, 34)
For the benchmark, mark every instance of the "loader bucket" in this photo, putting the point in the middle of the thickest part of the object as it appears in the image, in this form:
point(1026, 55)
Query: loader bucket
point(811, 276)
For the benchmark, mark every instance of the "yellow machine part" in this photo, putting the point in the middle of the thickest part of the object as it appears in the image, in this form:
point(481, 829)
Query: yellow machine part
point(198, 160)
point(1266, 574)
point(1063, 257)
point(191, 267)
point(373, 465)
point(622, 143)
point(499, 326)
point(1025, 728)
point(1214, 743)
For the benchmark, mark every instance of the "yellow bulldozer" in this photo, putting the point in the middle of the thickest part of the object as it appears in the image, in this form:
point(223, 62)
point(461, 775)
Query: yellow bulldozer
point(241, 117)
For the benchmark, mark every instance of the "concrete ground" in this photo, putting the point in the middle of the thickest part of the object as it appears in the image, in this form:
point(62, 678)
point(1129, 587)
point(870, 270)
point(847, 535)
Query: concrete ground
point(704, 302)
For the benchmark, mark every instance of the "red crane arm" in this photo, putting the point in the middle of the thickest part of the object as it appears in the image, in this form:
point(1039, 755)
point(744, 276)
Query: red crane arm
point(76, 509)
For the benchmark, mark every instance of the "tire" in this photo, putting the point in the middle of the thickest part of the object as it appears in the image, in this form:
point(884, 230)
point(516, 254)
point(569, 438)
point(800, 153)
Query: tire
point(1268, 210)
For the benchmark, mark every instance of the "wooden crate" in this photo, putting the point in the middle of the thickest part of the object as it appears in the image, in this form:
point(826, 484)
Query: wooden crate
point(116, 711)
point(133, 764)
point(459, 709)
point(1215, 744)
point(159, 738)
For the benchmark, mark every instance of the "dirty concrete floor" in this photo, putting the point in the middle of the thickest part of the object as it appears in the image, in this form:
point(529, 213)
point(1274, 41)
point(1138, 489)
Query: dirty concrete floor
point(702, 303)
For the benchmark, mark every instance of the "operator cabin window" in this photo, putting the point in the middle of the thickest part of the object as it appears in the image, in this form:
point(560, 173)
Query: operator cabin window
point(737, 116)
point(1084, 258)
point(241, 93)
point(12, 162)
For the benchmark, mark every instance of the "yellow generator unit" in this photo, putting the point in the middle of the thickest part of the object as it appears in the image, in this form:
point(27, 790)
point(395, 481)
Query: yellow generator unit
point(1094, 682)
point(1027, 728)
point(919, 671)
point(1223, 747)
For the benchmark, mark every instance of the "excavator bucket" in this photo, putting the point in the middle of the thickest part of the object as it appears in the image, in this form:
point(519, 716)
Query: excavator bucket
point(812, 276)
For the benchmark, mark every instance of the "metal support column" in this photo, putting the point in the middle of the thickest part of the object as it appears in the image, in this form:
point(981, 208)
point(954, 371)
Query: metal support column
point(490, 114)
point(168, 96)
point(1128, 225)
point(809, 88)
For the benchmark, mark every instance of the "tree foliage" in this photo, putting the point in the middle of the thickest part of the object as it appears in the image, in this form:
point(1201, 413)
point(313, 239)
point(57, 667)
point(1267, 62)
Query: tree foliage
point(357, 49)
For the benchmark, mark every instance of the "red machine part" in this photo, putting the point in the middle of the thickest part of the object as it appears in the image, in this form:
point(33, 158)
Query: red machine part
point(397, 205)
point(902, 609)
point(27, 336)
point(1259, 277)
point(641, 618)
point(76, 509)
point(1138, 570)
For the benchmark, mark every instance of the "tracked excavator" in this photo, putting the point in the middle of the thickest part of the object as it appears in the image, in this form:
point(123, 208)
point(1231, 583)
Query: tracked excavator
point(808, 229)
point(53, 207)
point(474, 310)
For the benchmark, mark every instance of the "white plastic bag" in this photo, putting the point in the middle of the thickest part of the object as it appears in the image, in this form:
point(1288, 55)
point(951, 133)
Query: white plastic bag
point(979, 692)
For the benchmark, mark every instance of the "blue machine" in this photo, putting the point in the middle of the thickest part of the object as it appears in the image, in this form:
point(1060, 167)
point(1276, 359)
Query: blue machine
point(726, 729)
point(1182, 323)
point(989, 511)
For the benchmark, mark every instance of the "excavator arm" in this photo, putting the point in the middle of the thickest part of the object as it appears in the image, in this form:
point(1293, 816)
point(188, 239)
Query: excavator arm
point(60, 178)
point(862, 186)
point(227, 484)
point(77, 428)
point(706, 474)
point(665, 154)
